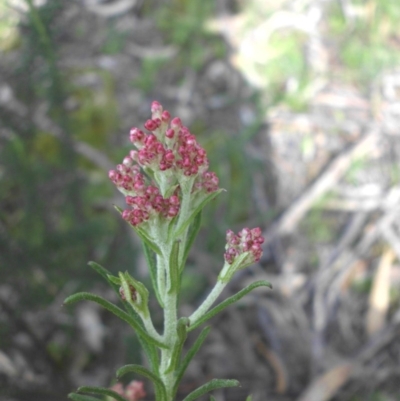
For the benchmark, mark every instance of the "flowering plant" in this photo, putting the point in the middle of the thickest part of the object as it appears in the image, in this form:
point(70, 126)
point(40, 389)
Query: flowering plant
point(166, 183)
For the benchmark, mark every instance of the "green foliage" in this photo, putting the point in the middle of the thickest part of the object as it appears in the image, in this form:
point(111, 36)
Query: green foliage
point(356, 168)
point(95, 116)
point(362, 286)
point(317, 232)
point(235, 170)
point(182, 23)
point(115, 41)
point(51, 221)
point(375, 396)
point(367, 41)
point(147, 78)
point(192, 285)
point(286, 57)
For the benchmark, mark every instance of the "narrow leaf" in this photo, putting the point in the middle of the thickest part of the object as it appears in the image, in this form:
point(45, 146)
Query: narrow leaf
point(249, 398)
point(181, 329)
point(158, 384)
point(86, 296)
point(194, 230)
point(212, 398)
point(227, 302)
point(79, 397)
point(211, 385)
point(189, 356)
point(100, 269)
point(115, 280)
point(151, 353)
point(101, 391)
point(196, 211)
point(152, 264)
point(174, 274)
point(146, 239)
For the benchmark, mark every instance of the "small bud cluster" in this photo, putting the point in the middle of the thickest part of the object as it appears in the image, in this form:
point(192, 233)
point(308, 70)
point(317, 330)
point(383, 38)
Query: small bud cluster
point(134, 391)
point(169, 148)
point(245, 241)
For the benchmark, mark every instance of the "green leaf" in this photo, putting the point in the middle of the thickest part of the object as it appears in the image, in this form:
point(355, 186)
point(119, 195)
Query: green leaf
point(151, 262)
point(189, 356)
point(227, 302)
point(147, 240)
point(174, 274)
point(194, 230)
point(158, 384)
point(181, 329)
point(101, 391)
point(79, 397)
point(196, 211)
point(115, 280)
point(86, 296)
point(151, 353)
point(211, 385)
point(249, 398)
point(212, 398)
point(105, 274)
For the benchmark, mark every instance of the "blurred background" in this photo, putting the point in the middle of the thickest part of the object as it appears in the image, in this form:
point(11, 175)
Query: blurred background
point(297, 103)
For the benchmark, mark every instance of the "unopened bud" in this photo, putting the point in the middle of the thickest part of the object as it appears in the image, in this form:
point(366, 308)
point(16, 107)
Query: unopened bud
point(132, 291)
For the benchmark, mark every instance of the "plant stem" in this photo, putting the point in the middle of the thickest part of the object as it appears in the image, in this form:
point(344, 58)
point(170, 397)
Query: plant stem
point(205, 306)
point(170, 324)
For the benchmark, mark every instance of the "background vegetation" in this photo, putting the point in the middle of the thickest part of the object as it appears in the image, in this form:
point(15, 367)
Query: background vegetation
point(297, 104)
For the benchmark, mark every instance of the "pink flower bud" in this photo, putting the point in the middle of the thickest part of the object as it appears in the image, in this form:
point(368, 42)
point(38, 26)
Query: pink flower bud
point(134, 391)
point(176, 123)
point(127, 162)
point(152, 125)
point(165, 116)
point(156, 107)
point(136, 136)
point(169, 133)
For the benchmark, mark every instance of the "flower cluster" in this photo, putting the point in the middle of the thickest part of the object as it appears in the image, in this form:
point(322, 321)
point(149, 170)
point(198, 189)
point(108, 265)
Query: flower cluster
point(168, 153)
point(245, 241)
point(134, 391)
point(144, 199)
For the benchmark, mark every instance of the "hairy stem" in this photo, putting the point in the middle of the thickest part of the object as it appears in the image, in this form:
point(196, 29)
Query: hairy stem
point(205, 306)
